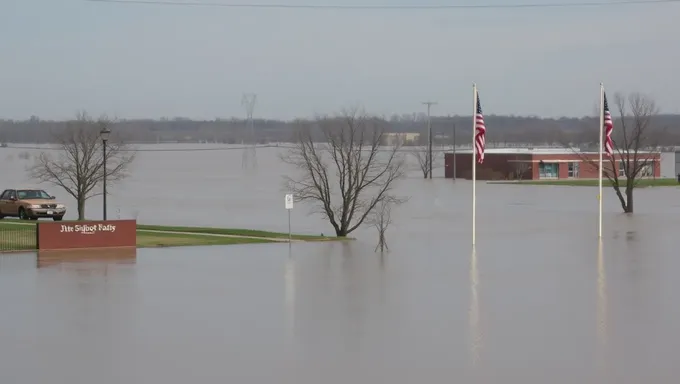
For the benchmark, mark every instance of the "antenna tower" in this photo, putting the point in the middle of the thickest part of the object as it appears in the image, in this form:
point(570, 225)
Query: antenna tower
point(249, 160)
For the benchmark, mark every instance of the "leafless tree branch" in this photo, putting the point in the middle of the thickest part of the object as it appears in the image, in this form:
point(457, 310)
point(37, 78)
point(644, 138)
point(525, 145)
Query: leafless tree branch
point(636, 143)
point(348, 174)
point(79, 167)
point(423, 159)
point(381, 220)
point(520, 170)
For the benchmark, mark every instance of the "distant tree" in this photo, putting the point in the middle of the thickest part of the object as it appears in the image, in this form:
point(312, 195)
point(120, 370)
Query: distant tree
point(508, 130)
point(381, 220)
point(520, 170)
point(636, 145)
point(423, 159)
point(78, 164)
point(348, 175)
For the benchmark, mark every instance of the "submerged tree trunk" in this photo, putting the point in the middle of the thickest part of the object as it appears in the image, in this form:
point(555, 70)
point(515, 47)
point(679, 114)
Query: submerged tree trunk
point(629, 199)
point(341, 231)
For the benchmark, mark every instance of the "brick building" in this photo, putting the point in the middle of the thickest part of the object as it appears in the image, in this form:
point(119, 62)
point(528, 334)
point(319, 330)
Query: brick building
point(537, 164)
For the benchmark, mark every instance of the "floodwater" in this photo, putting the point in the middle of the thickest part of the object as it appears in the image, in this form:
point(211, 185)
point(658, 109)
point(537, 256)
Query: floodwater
point(539, 301)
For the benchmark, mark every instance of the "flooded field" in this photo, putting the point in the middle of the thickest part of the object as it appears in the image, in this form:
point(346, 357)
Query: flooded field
point(539, 301)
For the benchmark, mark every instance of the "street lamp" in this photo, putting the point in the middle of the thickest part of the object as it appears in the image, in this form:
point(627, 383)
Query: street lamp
point(105, 133)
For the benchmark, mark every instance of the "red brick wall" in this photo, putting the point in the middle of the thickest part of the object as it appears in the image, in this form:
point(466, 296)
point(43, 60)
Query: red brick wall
point(87, 234)
point(496, 166)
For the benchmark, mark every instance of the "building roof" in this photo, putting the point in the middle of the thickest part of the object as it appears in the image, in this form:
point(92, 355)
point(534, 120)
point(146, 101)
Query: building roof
point(525, 151)
point(534, 151)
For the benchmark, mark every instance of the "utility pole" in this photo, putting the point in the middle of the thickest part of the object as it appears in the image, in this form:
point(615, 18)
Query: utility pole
point(249, 159)
point(454, 150)
point(429, 135)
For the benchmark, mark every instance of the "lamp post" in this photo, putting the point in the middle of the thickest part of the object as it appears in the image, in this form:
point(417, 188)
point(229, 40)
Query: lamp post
point(454, 151)
point(105, 132)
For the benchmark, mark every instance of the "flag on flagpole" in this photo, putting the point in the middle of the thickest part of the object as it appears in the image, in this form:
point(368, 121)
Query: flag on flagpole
point(609, 127)
point(480, 132)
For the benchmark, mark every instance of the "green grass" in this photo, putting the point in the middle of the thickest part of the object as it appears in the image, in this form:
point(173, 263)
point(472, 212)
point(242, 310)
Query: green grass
point(16, 225)
point(594, 182)
point(13, 238)
point(156, 239)
point(13, 223)
point(232, 232)
point(20, 235)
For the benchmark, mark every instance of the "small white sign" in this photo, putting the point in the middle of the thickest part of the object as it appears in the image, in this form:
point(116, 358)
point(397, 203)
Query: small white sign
point(289, 201)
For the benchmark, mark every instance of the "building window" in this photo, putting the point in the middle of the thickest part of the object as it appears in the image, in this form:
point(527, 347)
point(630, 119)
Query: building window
point(548, 170)
point(646, 170)
point(573, 170)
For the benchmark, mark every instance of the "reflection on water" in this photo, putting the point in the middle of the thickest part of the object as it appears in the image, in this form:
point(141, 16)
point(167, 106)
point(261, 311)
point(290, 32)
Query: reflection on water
point(601, 310)
point(475, 333)
point(601, 297)
point(105, 256)
point(289, 277)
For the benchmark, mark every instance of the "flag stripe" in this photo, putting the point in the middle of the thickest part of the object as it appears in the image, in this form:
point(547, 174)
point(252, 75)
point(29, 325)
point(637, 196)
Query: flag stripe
point(480, 132)
point(609, 127)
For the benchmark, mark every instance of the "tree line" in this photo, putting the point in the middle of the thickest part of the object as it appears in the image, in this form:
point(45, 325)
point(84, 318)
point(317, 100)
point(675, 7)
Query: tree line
point(503, 130)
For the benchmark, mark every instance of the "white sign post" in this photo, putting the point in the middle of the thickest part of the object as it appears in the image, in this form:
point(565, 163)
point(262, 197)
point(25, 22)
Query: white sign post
point(289, 207)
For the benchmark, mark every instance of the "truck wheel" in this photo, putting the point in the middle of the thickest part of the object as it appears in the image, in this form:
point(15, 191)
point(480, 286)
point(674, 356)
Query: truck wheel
point(22, 214)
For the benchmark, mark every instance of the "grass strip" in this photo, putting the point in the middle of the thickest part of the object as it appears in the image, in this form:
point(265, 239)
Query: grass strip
point(14, 239)
point(20, 235)
point(14, 223)
point(231, 232)
point(17, 239)
point(157, 239)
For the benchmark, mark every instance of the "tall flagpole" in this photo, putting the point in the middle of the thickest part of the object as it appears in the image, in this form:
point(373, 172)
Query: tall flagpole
point(474, 164)
point(599, 196)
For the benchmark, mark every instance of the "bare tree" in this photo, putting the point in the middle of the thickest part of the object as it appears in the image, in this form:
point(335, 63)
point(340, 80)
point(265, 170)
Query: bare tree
point(636, 146)
point(381, 220)
point(78, 165)
point(520, 169)
point(347, 175)
point(423, 159)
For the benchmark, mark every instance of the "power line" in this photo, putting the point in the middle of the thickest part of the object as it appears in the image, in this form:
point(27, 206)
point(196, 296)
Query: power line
point(387, 7)
point(153, 150)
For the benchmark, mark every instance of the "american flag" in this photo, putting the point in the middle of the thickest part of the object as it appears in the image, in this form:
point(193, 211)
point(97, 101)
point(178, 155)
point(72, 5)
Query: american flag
point(480, 132)
point(609, 127)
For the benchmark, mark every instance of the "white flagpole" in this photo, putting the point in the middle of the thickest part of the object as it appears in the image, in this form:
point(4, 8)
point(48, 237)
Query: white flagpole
point(599, 196)
point(474, 164)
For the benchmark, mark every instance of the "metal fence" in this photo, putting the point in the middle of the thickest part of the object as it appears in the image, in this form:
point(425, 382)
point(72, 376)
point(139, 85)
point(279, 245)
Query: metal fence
point(17, 238)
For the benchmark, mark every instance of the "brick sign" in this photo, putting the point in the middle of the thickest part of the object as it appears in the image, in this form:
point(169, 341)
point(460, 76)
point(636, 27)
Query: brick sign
point(87, 234)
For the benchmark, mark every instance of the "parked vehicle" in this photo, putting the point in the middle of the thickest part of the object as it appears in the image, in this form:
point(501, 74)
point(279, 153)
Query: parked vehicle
point(30, 204)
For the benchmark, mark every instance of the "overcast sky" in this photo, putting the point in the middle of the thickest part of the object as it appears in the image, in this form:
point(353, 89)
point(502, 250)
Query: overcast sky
point(60, 56)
